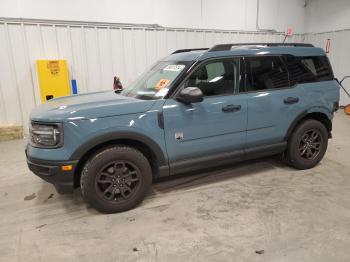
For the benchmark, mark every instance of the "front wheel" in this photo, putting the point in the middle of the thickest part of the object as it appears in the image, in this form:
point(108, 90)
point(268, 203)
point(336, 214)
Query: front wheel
point(307, 145)
point(116, 179)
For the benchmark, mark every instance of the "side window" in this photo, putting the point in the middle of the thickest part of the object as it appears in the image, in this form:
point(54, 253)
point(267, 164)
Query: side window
point(309, 64)
point(215, 69)
point(308, 69)
point(266, 72)
point(323, 68)
point(216, 78)
point(299, 72)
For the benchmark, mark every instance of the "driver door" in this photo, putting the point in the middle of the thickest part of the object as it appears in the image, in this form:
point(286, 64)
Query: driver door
point(211, 131)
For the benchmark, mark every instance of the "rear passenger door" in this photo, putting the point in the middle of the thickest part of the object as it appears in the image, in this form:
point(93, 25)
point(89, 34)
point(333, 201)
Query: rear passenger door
point(272, 103)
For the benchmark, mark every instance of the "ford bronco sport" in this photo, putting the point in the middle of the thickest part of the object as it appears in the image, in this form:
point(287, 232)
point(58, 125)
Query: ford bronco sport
point(195, 108)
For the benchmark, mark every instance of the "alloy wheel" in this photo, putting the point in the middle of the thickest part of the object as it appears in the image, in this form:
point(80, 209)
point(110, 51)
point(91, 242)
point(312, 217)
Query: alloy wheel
point(310, 144)
point(117, 181)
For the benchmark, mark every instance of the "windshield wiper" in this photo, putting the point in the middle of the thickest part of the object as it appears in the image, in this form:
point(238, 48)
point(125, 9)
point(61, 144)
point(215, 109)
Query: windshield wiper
point(146, 97)
point(118, 91)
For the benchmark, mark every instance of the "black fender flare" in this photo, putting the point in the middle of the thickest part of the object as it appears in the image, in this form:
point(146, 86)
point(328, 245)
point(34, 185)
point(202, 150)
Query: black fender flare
point(297, 120)
point(105, 138)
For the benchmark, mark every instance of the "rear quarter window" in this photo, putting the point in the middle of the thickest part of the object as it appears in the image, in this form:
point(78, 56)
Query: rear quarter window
point(308, 69)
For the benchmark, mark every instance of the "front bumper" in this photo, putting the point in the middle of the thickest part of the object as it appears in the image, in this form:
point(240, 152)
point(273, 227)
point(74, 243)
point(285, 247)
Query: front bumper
point(51, 172)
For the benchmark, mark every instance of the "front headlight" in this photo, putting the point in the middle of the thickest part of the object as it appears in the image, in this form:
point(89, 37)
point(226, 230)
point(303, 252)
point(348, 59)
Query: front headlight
point(46, 135)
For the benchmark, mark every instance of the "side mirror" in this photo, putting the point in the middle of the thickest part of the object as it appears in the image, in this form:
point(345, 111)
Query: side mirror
point(190, 95)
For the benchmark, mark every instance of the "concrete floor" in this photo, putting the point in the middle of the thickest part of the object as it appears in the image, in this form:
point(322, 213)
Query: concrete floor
point(224, 215)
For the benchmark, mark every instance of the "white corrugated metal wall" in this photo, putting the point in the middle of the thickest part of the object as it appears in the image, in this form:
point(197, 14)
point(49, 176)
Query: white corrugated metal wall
point(339, 55)
point(95, 53)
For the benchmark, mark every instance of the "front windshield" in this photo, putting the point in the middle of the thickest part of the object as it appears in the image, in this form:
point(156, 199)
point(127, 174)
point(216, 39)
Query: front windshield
point(155, 83)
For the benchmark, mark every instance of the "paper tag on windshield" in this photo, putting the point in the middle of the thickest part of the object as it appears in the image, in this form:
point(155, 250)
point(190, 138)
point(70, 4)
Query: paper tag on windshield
point(161, 84)
point(162, 92)
point(174, 68)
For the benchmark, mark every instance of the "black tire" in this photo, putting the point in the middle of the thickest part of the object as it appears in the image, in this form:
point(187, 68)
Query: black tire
point(116, 179)
point(307, 145)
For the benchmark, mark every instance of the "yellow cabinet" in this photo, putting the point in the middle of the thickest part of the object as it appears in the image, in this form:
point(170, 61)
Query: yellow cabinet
point(53, 79)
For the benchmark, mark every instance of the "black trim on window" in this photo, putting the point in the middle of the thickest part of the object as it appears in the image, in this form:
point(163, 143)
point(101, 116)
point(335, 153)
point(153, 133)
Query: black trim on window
point(308, 69)
point(177, 87)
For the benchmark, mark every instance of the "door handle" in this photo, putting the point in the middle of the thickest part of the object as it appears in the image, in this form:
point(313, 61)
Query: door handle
point(231, 108)
point(291, 100)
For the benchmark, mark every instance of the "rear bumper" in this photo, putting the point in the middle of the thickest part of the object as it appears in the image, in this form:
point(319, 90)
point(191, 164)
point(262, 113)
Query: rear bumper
point(51, 172)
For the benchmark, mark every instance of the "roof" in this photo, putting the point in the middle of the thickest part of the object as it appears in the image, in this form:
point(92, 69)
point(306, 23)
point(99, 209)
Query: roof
point(296, 49)
point(184, 56)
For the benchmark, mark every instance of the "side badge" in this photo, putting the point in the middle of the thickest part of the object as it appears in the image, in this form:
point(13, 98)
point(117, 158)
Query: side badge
point(179, 136)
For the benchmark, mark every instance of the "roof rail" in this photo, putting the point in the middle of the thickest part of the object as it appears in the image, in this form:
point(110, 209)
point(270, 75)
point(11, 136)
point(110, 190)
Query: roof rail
point(226, 47)
point(188, 50)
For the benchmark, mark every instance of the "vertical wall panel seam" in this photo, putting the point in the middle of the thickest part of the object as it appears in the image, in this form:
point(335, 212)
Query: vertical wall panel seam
point(166, 40)
point(13, 69)
point(84, 58)
point(156, 43)
point(110, 50)
point(26, 51)
point(69, 34)
point(134, 44)
point(2, 99)
point(42, 44)
point(176, 41)
point(98, 54)
point(146, 53)
point(123, 50)
point(57, 44)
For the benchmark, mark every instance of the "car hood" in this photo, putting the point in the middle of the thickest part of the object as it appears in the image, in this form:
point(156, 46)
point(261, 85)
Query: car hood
point(88, 106)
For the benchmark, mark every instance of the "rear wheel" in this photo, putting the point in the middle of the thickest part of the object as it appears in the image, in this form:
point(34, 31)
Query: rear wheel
point(307, 145)
point(116, 179)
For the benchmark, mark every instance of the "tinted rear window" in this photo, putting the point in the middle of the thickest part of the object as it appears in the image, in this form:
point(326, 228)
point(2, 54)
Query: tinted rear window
point(266, 72)
point(308, 69)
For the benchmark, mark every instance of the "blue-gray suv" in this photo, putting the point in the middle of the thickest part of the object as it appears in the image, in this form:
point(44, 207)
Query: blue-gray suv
point(194, 109)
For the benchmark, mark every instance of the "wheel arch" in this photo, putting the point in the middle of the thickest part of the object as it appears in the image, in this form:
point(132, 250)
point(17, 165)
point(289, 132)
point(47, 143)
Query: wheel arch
point(144, 144)
point(323, 116)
